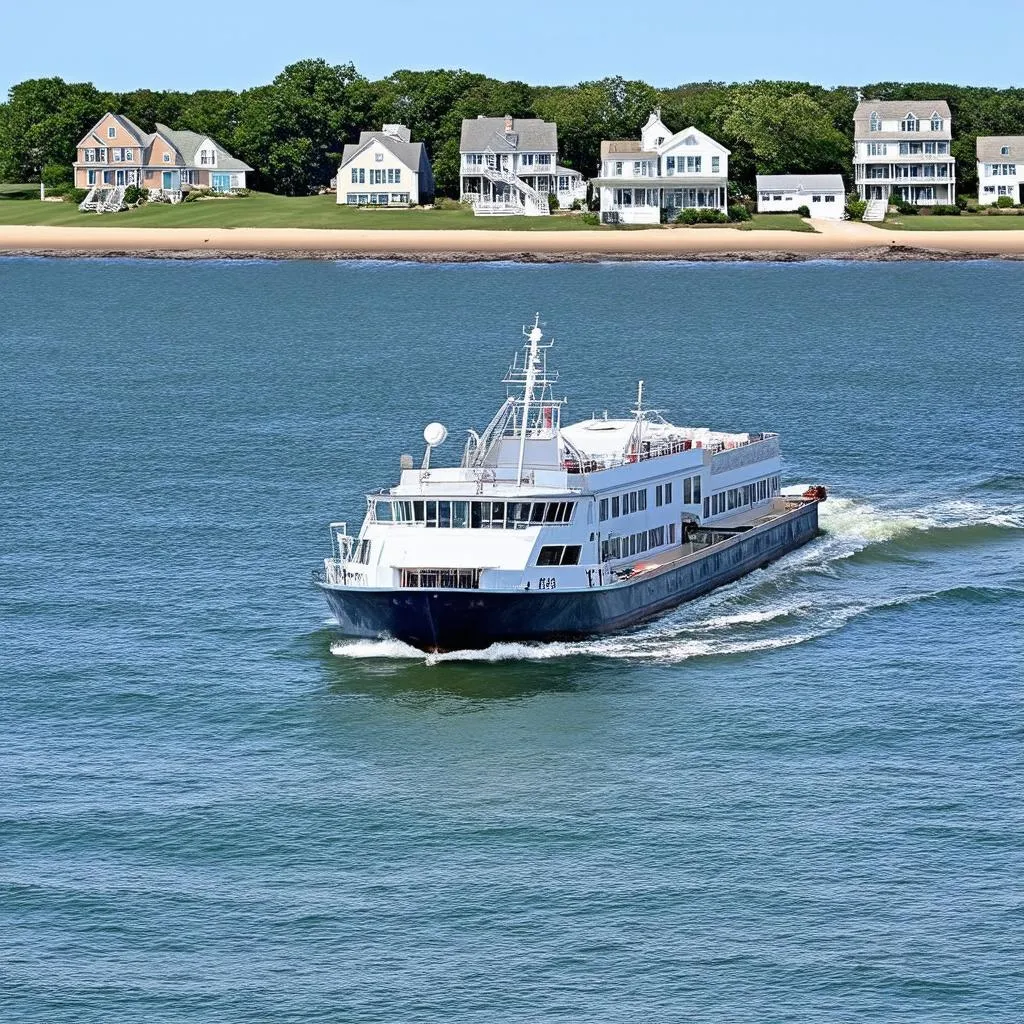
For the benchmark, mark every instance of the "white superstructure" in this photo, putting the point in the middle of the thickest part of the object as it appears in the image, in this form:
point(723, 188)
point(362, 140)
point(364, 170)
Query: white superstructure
point(534, 505)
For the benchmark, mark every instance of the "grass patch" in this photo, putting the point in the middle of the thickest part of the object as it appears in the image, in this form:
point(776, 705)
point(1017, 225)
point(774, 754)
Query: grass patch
point(965, 222)
point(777, 222)
point(28, 191)
point(262, 210)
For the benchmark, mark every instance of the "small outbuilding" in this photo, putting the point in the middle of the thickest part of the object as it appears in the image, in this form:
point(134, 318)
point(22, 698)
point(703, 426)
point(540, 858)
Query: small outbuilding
point(822, 194)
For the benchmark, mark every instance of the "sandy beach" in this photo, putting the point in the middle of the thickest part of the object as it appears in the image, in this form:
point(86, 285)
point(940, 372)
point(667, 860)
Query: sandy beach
point(836, 240)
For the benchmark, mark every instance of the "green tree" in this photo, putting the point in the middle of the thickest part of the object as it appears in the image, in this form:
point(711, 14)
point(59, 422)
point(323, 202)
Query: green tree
point(783, 134)
point(291, 131)
point(41, 123)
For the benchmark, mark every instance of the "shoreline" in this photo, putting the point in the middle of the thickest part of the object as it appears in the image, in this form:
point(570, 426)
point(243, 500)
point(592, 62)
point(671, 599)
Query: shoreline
point(836, 240)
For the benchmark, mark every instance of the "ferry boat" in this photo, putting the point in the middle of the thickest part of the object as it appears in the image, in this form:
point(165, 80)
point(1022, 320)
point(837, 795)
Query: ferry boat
point(545, 532)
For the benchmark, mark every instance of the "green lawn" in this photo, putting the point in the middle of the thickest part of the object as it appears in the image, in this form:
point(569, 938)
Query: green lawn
point(18, 191)
point(262, 210)
point(777, 222)
point(965, 222)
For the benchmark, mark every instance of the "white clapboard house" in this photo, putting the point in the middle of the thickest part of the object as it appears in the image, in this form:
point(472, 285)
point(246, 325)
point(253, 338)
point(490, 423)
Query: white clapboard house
point(385, 168)
point(1000, 168)
point(822, 194)
point(510, 166)
point(902, 147)
point(661, 171)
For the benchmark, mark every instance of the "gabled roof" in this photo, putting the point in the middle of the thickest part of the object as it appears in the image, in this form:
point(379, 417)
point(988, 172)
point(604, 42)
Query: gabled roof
point(800, 183)
point(896, 110)
point(409, 153)
point(188, 145)
point(672, 141)
point(529, 134)
point(128, 125)
point(988, 147)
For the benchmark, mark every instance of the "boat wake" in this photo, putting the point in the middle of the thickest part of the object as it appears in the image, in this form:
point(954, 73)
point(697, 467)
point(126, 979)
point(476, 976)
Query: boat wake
point(804, 596)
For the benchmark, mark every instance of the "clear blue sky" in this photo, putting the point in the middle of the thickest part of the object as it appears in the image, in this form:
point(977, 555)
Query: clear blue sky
point(546, 43)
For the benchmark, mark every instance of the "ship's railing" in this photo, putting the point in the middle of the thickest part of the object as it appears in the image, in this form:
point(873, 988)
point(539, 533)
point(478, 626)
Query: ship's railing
point(338, 573)
point(673, 446)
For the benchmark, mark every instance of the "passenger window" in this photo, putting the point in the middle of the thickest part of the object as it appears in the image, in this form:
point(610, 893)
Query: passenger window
point(571, 554)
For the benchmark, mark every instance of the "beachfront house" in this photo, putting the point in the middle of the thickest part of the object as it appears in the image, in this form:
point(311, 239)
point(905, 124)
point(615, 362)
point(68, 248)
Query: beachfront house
point(385, 168)
point(823, 194)
point(902, 147)
point(1000, 168)
point(661, 173)
point(116, 153)
point(510, 166)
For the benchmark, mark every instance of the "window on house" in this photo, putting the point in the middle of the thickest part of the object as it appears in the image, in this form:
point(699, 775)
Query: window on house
point(936, 123)
point(111, 132)
point(379, 157)
point(167, 158)
point(362, 176)
point(658, 493)
point(615, 507)
point(715, 163)
point(815, 199)
point(355, 176)
point(668, 493)
point(398, 175)
point(618, 168)
point(602, 507)
point(670, 165)
point(777, 199)
point(875, 122)
point(910, 124)
point(636, 168)
point(830, 199)
point(1004, 151)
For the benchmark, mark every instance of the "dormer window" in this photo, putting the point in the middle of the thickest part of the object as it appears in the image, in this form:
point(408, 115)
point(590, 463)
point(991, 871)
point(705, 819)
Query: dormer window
point(167, 158)
point(875, 122)
point(1004, 150)
point(936, 123)
point(111, 132)
point(910, 124)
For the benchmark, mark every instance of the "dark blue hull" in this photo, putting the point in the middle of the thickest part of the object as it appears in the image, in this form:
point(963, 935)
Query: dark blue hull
point(445, 620)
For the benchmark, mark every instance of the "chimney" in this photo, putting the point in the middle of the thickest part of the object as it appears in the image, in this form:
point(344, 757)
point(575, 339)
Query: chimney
point(508, 124)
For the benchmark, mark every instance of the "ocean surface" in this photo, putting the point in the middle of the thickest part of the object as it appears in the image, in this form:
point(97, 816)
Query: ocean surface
point(800, 798)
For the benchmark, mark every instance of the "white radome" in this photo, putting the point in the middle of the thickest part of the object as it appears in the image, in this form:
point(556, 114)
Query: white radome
point(435, 434)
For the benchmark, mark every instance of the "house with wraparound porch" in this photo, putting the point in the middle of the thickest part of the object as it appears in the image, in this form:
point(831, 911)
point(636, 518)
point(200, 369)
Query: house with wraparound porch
point(116, 154)
point(659, 174)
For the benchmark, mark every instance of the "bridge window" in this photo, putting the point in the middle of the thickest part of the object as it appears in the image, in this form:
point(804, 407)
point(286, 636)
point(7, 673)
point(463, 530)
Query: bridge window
point(559, 554)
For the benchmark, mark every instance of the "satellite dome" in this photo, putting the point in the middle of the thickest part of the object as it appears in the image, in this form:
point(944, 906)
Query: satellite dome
point(435, 434)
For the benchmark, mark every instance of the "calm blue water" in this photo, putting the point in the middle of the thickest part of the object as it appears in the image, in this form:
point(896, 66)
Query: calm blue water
point(799, 799)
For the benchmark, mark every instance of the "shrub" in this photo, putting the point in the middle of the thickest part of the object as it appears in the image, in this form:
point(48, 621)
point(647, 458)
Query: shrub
point(590, 218)
point(688, 216)
point(945, 211)
point(133, 195)
point(708, 216)
point(961, 202)
point(576, 205)
point(444, 203)
point(75, 195)
point(803, 211)
point(855, 208)
point(1005, 202)
point(243, 192)
point(738, 212)
point(553, 206)
point(55, 175)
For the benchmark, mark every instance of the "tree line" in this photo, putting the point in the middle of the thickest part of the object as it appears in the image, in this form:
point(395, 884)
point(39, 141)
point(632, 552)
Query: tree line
point(292, 130)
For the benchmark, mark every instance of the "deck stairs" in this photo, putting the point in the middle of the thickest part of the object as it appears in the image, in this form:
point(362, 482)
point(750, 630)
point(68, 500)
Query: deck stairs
point(90, 202)
point(875, 210)
point(103, 200)
point(526, 201)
